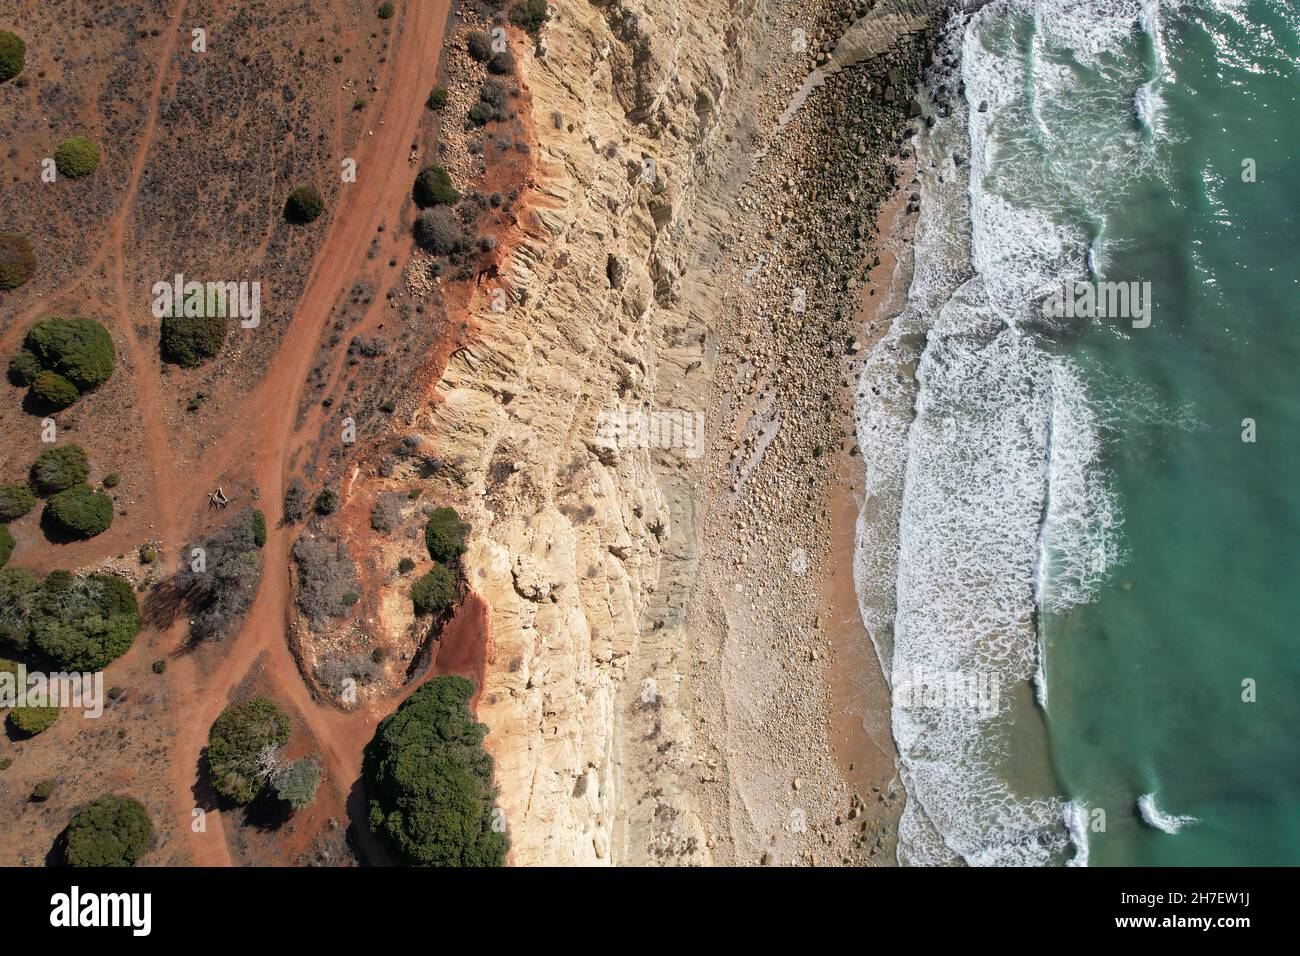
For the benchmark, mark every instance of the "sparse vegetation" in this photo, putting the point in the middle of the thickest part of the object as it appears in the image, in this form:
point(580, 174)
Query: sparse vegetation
point(112, 831)
point(6, 544)
point(217, 591)
point(81, 623)
point(15, 501)
point(326, 575)
point(433, 188)
point(444, 535)
point(257, 523)
point(242, 745)
point(438, 231)
point(17, 260)
point(295, 502)
point(529, 15)
point(430, 780)
point(434, 592)
point(13, 55)
point(479, 45)
point(304, 205)
point(76, 156)
point(61, 467)
point(79, 512)
point(297, 783)
point(502, 64)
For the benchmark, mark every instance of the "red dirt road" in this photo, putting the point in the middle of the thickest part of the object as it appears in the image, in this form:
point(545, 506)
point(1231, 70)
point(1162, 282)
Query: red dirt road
point(262, 430)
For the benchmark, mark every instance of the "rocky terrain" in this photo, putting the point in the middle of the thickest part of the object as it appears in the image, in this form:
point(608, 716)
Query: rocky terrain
point(699, 251)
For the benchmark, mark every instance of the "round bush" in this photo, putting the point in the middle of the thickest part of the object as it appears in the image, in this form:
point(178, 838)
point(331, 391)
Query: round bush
point(31, 721)
point(434, 592)
point(327, 502)
point(76, 156)
point(304, 205)
point(80, 512)
point(502, 64)
point(13, 55)
point(112, 831)
point(188, 341)
point(438, 231)
point(54, 390)
point(15, 501)
point(79, 349)
point(6, 544)
point(238, 741)
point(433, 188)
point(17, 260)
point(479, 113)
point(56, 469)
point(385, 10)
point(81, 623)
point(444, 535)
point(479, 45)
point(437, 98)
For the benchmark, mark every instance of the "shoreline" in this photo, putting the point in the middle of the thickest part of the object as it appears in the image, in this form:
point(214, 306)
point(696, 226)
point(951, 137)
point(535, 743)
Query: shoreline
point(860, 729)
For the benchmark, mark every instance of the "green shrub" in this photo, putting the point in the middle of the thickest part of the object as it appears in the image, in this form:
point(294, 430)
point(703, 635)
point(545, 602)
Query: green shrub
point(56, 469)
point(44, 790)
point(327, 502)
point(159, 666)
point(433, 188)
point(188, 341)
point(15, 501)
point(258, 523)
point(437, 98)
point(385, 11)
point(76, 156)
point(6, 544)
point(239, 744)
point(405, 566)
point(479, 45)
point(502, 64)
point(434, 592)
point(31, 721)
point(23, 368)
point(112, 831)
point(79, 349)
point(17, 260)
point(13, 55)
point(444, 535)
point(80, 511)
point(529, 15)
point(54, 390)
point(81, 623)
point(438, 231)
point(430, 780)
point(304, 205)
point(297, 783)
point(479, 114)
point(6, 763)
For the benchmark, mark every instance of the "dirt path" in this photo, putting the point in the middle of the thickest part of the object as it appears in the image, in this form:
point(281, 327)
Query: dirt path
point(263, 433)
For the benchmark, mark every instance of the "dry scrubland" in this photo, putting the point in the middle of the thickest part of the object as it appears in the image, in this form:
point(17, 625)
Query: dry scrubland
point(654, 677)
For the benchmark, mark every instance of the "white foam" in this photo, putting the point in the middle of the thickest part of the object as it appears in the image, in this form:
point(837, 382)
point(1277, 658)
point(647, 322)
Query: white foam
point(1003, 501)
point(1076, 821)
point(1165, 822)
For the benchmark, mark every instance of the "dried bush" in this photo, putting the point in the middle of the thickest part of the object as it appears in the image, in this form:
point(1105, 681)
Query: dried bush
point(326, 574)
point(17, 260)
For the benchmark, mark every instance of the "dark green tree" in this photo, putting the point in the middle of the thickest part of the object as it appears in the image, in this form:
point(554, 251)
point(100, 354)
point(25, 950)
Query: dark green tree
point(241, 746)
point(112, 831)
point(444, 535)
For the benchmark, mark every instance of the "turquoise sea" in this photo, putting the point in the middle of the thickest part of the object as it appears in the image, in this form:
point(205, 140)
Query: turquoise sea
point(1078, 515)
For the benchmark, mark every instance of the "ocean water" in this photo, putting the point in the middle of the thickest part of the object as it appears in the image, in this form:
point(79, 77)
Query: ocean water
point(1091, 569)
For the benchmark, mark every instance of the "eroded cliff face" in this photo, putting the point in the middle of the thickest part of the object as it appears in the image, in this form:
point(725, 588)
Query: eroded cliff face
point(582, 539)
